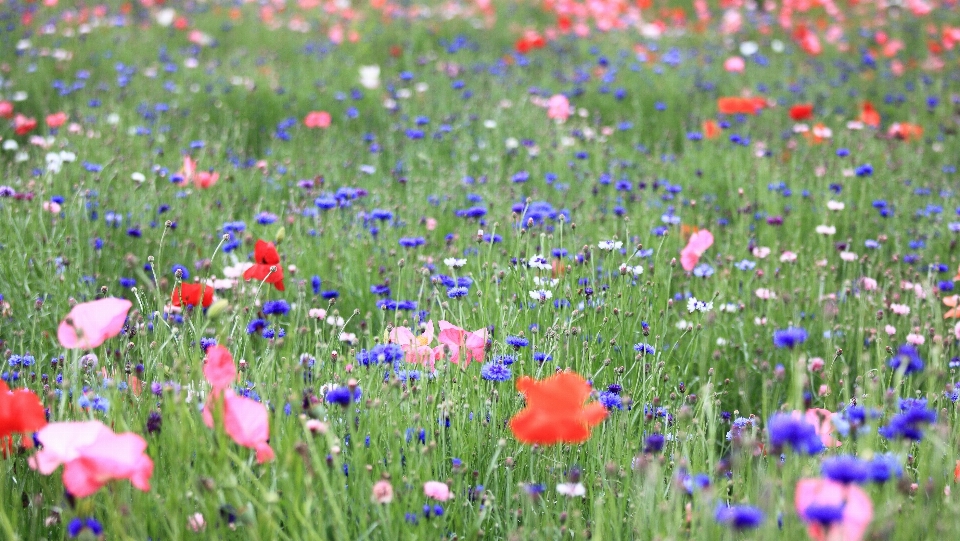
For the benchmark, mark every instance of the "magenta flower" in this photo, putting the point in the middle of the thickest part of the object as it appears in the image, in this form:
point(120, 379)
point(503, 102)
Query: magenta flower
point(92, 455)
point(90, 324)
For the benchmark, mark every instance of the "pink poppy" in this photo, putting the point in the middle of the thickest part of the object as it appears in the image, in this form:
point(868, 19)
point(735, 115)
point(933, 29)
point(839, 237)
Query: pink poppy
point(92, 455)
point(820, 419)
point(734, 64)
point(90, 324)
point(205, 179)
point(456, 339)
point(437, 490)
point(218, 368)
point(6, 109)
point(856, 509)
point(51, 206)
point(56, 119)
point(699, 242)
point(417, 348)
point(317, 119)
point(558, 107)
point(245, 420)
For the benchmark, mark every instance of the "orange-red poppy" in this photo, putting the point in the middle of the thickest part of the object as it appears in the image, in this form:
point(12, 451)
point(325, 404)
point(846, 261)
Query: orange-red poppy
point(21, 412)
point(734, 105)
point(801, 111)
point(190, 295)
point(711, 129)
point(869, 115)
point(265, 258)
point(555, 411)
point(905, 131)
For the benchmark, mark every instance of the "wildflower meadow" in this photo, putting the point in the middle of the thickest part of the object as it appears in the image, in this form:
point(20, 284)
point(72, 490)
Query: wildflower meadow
point(479, 269)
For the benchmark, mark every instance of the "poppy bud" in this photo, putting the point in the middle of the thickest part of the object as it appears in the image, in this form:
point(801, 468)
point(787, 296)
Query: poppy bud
point(281, 234)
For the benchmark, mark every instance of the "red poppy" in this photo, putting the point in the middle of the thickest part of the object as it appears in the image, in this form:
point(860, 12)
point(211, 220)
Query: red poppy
point(530, 40)
point(555, 411)
point(23, 125)
point(710, 129)
point(189, 295)
point(801, 111)
point(21, 412)
point(733, 105)
point(265, 257)
point(869, 115)
point(905, 131)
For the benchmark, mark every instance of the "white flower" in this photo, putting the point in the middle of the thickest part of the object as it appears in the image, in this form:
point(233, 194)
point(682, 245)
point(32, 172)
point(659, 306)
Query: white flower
point(335, 321)
point(490, 124)
point(370, 76)
point(610, 245)
point(541, 294)
point(454, 263)
point(539, 262)
point(236, 271)
point(684, 325)
point(572, 489)
point(137, 177)
point(693, 305)
point(848, 256)
point(826, 230)
point(545, 282)
point(348, 337)
point(721, 342)
point(728, 307)
point(627, 269)
point(747, 48)
point(761, 252)
point(10, 144)
point(835, 205)
point(788, 257)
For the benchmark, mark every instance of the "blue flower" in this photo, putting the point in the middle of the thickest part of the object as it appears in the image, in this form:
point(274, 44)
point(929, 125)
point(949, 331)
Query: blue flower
point(907, 423)
point(494, 371)
point(517, 341)
point(343, 396)
point(823, 514)
point(789, 337)
point(611, 401)
point(645, 349)
point(739, 517)
point(77, 525)
point(883, 467)
point(277, 307)
point(846, 469)
point(908, 358)
point(654, 443)
point(784, 428)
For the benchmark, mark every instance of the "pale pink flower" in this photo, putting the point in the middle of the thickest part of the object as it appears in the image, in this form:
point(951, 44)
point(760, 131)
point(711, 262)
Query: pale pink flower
point(848, 256)
point(558, 107)
point(815, 364)
point(765, 294)
point(916, 339)
point(956, 330)
point(699, 242)
point(92, 455)
point(245, 420)
point(431, 224)
point(869, 284)
point(316, 427)
point(219, 368)
point(437, 490)
point(734, 64)
point(572, 490)
point(416, 348)
point(382, 492)
point(90, 324)
point(458, 340)
point(788, 257)
point(900, 309)
point(51, 206)
point(890, 329)
point(196, 523)
point(317, 119)
point(761, 252)
point(857, 509)
point(317, 313)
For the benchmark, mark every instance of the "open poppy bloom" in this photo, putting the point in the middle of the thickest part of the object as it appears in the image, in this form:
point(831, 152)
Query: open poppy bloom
point(801, 111)
point(90, 324)
point(317, 119)
point(462, 344)
point(92, 455)
point(558, 107)
point(951, 302)
point(869, 115)
point(711, 129)
point(555, 411)
point(190, 295)
point(21, 412)
point(265, 258)
point(905, 131)
point(698, 243)
point(833, 510)
point(416, 348)
point(245, 420)
point(734, 105)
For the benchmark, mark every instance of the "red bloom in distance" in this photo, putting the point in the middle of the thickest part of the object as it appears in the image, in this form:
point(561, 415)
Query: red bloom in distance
point(21, 412)
point(801, 111)
point(23, 125)
point(555, 411)
point(190, 295)
point(265, 257)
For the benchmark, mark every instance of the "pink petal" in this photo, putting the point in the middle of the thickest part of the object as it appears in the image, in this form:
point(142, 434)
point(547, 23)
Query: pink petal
point(219, 368)
point(247, 422)
point(111, 456)
point(96, 322)
point(689, 259)
point(62, 443)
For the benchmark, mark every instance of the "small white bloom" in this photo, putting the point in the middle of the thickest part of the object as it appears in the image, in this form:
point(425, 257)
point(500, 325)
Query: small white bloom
point(539, 262)
point(545, 282)
point(137, 177)
point(694, 305)
point(788, 257)
point(335, 321)
point(490, 124)
point(609, 245)
point(572, 489)
point(826, 230)
point(370, 77)
point(835, 205)
point(454, 263)
point(848, 256)
point(541, 294)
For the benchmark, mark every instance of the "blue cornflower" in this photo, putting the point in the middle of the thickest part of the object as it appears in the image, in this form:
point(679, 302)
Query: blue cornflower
point(654, 443)
point(645, 349)
point(494, 371)
point(329, 294)
point(315, 284)
point(77, 525)
point(256, 326)
point(277, 307)
point(517, 341)
point(739, 517)
point(846, 469)
point(457, 292)
point(907, 423)
point(784, 428)
point(127, 282)
point(703, 270)
point(745, 265)
point(908, 357)
point(412, 242)
point(343, 396)
point(611, 401)
point(266, 218)
point(790, 337)
point(185, 274)
point(206, 343)
point(883, 467)
point(540, 356)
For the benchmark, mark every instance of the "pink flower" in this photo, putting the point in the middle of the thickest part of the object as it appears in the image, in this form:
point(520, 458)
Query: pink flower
point(558, 107)
point(699, 242)
point(245, 420)
point(431, 224)
point(437, 490)
point(56, 119)
point(916, 339)
point(92, 455)
point(457, 339)
point(205, 179)
point(734, 64)
point(856, 514)
point(956, 330)
point(417, 348)
point(890, 329)
point(820, 419)
point(869, 284)
point(383, 492)
point(90, 324)
point(218, 368)
point(51, 206)
point(317, 119)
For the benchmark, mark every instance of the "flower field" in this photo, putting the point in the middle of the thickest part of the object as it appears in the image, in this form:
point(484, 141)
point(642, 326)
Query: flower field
point(552, 269)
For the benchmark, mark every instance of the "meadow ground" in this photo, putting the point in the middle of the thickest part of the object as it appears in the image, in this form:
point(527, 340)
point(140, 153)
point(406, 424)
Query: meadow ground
point(501, 270)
